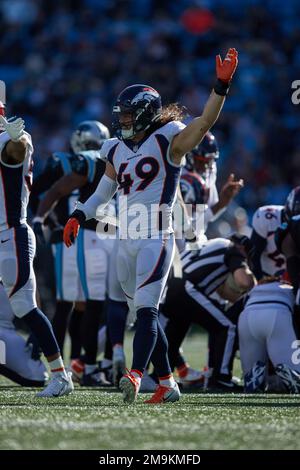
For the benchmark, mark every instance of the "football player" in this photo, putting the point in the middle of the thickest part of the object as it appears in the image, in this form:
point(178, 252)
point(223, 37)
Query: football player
point(57, 165)
point(198, 180)
point(198, 188)
point(287, 239)
point(21, 365)
point(144, 164)
point(268, 260)
point(85, 265)
point(17, 248)
point(266, 331)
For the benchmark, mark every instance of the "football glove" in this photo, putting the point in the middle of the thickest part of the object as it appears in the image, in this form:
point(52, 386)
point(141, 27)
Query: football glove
point(14, 127)
point(225, 69)
point(71, 231)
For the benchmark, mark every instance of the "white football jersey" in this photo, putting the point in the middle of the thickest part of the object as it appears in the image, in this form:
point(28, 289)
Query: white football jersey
point(265, 222)
point(277, 292)
point(147, 180)
point(15, 186)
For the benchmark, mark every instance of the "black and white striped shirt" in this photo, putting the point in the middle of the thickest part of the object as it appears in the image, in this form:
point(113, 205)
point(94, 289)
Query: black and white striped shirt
point(208, 267)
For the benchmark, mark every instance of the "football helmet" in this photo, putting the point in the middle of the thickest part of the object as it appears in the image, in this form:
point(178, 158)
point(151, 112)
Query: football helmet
point(140, 102)
point(243, 240)
point(207, 151)
point(89, 135)
point(292, 204)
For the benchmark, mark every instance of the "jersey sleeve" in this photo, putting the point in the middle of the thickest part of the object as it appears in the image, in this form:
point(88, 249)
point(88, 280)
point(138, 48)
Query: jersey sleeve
point(28, 139)
point(171, 129)
point(259, 223)
point(108, 149)
point(234, 259)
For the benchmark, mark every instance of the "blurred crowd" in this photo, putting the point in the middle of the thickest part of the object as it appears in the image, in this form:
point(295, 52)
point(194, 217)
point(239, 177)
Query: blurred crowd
point(66, 61)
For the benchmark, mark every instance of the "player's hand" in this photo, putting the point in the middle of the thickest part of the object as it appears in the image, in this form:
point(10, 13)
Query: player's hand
point(226, 68)
point(14, 127)
point(37, 226)
point(71, 231)
point(230, 189)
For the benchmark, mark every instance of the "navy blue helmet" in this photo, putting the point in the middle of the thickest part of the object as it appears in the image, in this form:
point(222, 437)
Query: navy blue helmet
point(207, 151)
point(292, 204)
point(143, 103)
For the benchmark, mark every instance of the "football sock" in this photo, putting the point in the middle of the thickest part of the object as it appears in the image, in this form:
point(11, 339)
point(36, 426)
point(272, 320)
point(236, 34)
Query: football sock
point(57, 367)
point(90, 326)
point(167, 381)
point(116, 320)
point(60, 321)
point(75, 332)
point(159, 357)
point(42, 329)
point(145, 337)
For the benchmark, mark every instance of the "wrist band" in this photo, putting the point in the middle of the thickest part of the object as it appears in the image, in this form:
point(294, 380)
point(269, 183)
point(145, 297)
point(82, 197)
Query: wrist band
point(221, 88)
point(79, 215)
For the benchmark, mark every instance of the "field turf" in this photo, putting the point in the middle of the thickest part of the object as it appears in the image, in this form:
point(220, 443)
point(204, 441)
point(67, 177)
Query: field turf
point(98, 419)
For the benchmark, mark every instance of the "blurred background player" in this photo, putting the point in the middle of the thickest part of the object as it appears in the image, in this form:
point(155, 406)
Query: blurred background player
point(57, 165)
point(83, 269)
point(199, 178)
point(198, 188)
point(22, 364)
point(267, 259)
point(190, 299)
point(17, 248)
point(287, 239)
point(266, 332)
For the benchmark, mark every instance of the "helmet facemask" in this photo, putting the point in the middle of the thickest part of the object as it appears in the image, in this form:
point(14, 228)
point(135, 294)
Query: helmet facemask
point(143, 104)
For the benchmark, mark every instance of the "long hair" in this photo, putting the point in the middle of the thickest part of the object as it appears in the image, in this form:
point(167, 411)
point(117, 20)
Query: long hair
point(169, 113)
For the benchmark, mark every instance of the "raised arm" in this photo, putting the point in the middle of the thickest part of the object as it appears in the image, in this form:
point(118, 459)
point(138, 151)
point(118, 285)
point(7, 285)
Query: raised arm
point(194, 132)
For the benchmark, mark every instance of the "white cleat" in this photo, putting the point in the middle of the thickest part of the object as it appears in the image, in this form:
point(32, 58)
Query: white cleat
point(192, 377)
point(58, 386)
point(164, 395)
point(129, 386)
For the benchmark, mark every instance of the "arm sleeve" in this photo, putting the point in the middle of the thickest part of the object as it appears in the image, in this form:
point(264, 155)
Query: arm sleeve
point(259, 243)
point(101, 197)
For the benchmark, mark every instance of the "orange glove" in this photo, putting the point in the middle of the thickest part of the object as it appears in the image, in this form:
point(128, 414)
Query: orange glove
point(71, 231)
point(226, 69)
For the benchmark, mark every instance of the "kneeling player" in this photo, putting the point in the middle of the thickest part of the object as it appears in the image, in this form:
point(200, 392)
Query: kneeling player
point(19, 366)
point(266, 331)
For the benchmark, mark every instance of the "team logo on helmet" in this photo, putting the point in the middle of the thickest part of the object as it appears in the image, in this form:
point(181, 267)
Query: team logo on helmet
point(147, 94)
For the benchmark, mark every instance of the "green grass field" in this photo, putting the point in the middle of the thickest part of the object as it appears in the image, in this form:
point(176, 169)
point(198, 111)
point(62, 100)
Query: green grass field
point(98, 419)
